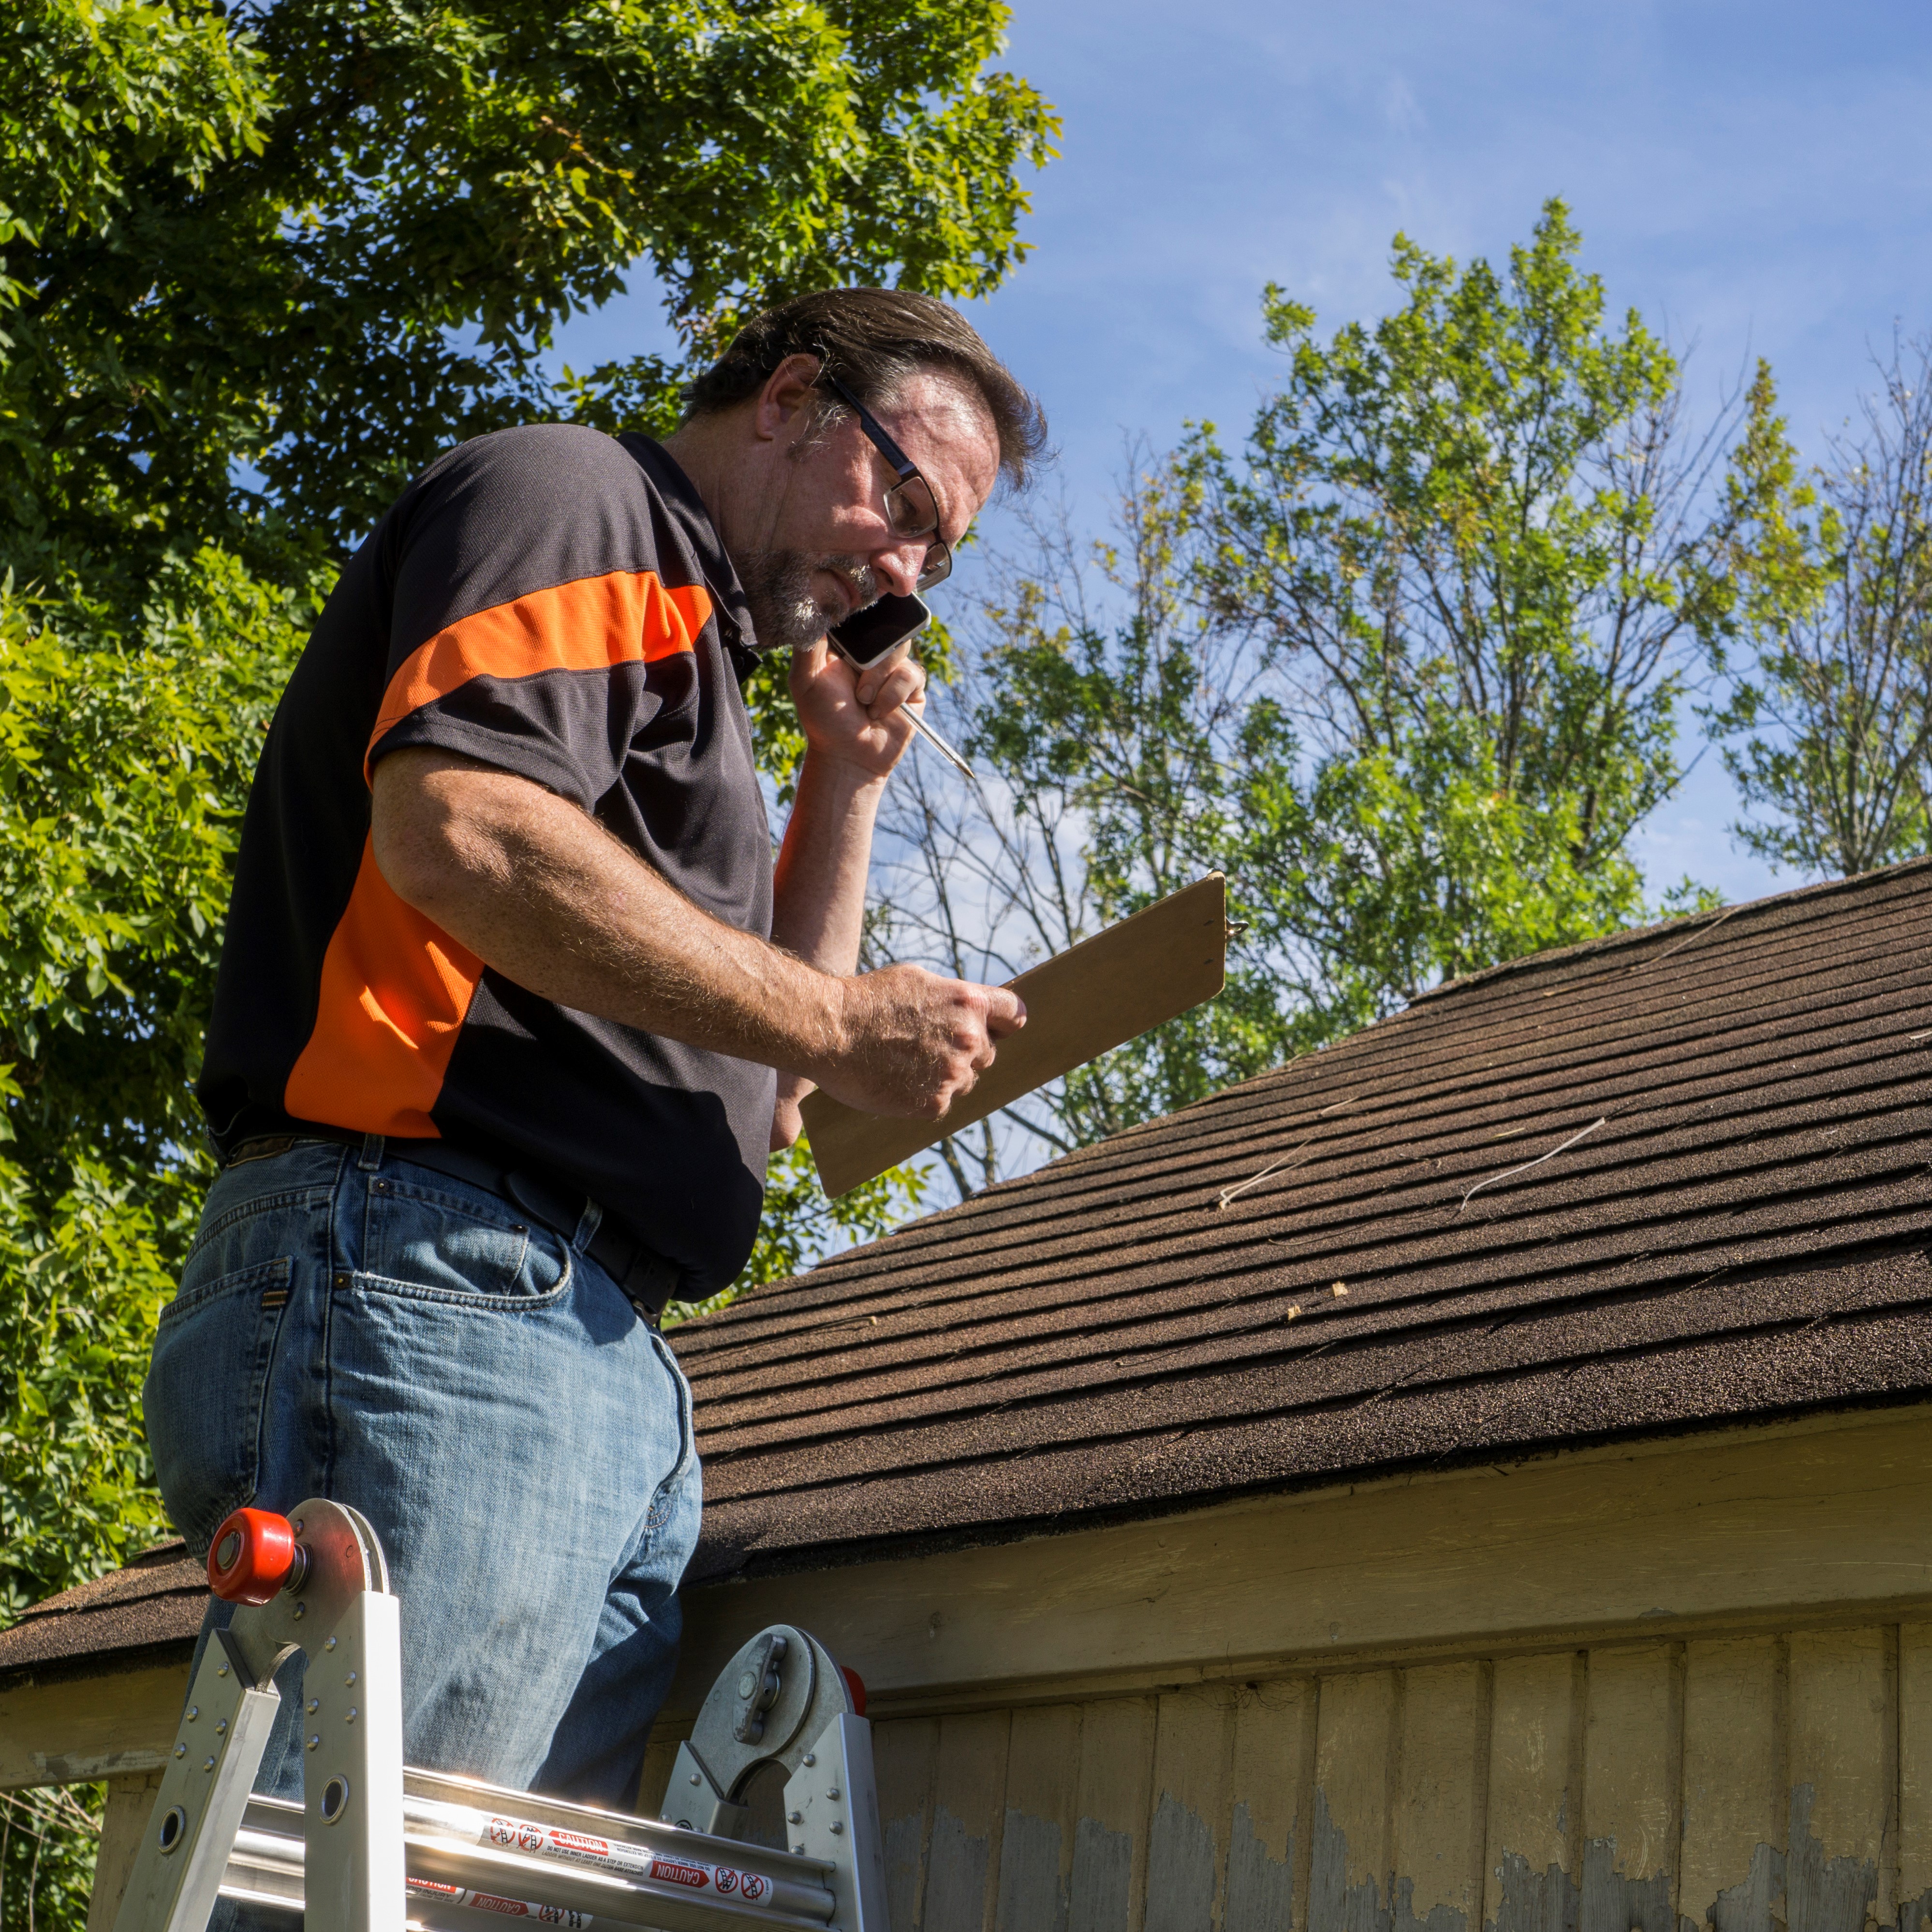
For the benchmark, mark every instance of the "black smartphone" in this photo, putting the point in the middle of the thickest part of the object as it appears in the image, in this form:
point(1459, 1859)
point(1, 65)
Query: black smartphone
point(877, 631)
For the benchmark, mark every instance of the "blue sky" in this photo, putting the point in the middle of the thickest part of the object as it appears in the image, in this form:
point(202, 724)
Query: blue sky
point(1753, 178)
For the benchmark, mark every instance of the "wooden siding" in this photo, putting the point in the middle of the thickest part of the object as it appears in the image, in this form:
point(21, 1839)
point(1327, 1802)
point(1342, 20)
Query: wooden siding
point(1754, 1784)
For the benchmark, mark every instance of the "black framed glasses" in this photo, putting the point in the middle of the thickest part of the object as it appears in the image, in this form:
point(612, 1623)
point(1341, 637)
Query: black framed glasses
point(911, 508)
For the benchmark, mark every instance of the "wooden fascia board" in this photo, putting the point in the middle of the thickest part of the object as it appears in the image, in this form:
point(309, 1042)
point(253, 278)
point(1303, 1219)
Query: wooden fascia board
point(1816, 1519)
point(72, 1728)
point(1796, 1522)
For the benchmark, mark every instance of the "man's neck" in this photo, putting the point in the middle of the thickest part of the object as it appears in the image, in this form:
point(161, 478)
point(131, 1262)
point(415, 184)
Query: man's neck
point(699, 448)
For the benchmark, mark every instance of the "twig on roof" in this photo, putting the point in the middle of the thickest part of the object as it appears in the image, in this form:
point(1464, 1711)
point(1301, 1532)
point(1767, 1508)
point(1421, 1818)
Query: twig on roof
point(1926, 1035)
point(1228, 1194)
point(1491, 1181)
point(1690, 939)
point(1254, 1180)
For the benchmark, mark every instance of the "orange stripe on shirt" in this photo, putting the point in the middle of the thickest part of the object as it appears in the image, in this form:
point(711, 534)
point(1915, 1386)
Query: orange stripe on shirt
point(594, 624)
point(395, 988)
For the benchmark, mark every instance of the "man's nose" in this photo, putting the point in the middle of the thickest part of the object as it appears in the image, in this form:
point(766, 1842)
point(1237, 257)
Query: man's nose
point(900, 566)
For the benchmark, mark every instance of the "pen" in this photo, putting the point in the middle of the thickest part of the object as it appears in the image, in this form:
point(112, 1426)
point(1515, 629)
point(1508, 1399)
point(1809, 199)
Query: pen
point(938, 743)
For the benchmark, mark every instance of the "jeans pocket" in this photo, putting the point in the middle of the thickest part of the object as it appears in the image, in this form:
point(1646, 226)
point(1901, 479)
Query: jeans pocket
point(206, 1392)
point(449, 1241)
point(687, 1435)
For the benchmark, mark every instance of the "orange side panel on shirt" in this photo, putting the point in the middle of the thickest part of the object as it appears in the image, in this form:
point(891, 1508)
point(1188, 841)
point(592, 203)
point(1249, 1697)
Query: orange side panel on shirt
point(594, 624)
point(394, 989)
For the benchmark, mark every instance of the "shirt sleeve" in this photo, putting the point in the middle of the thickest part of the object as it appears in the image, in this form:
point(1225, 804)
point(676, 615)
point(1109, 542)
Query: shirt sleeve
point(527, 609)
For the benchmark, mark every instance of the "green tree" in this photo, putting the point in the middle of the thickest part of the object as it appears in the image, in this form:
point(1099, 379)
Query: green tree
point(1467, 541)
point(1828, 722)
point(271, 261)
point(1405, 667)
point(258, 264)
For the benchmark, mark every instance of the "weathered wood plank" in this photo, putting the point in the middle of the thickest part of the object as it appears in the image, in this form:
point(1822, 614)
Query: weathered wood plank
point(1844, 1775)
point(1108, 1891)
point(660, 1757)
point(117, 1725)
point(969, 1783)
point(1735, 1737)
point(130, 1804)
point(1441, 1789)
point(1272, 1783)
point(1187, 1835)
point(1585, 1542)
point(1533, 1829)
point(1350, 1858)
point(1043, 1801)
point(905, 1756)
point(1633, 1746)
point(1914, 1777)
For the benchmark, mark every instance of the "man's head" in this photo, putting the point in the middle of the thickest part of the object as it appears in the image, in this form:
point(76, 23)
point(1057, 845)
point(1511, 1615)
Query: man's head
point(803, 495)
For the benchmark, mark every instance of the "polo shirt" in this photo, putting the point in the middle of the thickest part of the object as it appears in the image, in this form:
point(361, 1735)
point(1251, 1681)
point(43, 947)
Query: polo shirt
point(553, 602)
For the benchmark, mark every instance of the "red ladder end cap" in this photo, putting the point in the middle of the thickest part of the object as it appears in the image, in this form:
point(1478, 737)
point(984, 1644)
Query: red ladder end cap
point(251, 1556)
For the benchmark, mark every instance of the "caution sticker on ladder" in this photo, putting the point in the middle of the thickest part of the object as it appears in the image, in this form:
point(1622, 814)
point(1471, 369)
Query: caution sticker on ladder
point(490, 1901)
point(611, 1855)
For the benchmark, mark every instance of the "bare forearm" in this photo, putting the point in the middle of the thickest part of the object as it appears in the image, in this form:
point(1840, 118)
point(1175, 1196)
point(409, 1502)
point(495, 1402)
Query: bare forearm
point(543, 893)
point(818, 907)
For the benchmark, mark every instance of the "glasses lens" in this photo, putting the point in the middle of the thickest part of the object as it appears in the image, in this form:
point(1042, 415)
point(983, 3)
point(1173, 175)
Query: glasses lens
point(910, 507)
point(938, 566)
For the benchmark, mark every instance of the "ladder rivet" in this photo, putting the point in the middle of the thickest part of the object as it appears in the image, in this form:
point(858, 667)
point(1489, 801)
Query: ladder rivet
point(314, 1705)
point(794, 1817)
point(350, 1679)
point(833, 1793)
point(695, 1779)
point(221, 1727)
point(838, 1825)
point(313, 1742)
point(301, 1609)
point(297, 1526)
point(181, 1751)
point(810, 1757)
point(221, 1670)
point(209, 1765)
point(351, 1718)
point(193, 1712)
point(329, 1644)
point(799, 1850)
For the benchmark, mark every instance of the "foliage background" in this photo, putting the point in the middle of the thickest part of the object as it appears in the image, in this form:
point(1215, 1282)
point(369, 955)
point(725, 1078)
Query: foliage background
point(258, 263)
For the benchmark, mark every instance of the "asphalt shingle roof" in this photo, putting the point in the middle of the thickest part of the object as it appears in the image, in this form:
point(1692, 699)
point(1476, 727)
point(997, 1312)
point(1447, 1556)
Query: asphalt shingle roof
point(1734, 1229)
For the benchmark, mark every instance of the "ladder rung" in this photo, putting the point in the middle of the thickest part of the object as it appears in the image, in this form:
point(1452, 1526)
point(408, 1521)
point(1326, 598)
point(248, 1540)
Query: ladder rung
point(473, 1849)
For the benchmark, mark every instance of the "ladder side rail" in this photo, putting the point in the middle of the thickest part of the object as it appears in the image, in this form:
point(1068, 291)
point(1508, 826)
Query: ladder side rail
point(217, 1750)
point(832, 1810)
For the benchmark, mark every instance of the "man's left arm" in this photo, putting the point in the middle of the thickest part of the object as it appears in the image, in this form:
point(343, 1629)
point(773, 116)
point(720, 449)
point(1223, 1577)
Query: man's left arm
point(856, 731)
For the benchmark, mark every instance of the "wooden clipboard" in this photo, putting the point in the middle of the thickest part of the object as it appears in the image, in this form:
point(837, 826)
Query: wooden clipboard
point(1080, 1004)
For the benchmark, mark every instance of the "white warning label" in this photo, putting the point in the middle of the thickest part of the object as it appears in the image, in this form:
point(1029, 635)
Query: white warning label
point(507, 1908)
point(583, 1848)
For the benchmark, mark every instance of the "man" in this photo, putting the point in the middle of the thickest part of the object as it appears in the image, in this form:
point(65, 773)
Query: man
point(513, 1002)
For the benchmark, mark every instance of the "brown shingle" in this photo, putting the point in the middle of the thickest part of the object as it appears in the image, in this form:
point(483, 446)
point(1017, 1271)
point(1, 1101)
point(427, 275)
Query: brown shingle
point(1741, 1237)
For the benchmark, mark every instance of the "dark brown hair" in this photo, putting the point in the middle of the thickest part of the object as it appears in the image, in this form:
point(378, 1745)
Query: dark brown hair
point(872, 339)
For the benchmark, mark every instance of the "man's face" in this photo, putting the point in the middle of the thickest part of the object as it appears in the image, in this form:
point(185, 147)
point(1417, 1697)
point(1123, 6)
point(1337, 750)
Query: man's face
point(812, 539)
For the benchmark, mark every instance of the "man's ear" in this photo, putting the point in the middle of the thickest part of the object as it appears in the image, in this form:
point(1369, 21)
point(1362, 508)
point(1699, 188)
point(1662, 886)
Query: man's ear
point(785, 404)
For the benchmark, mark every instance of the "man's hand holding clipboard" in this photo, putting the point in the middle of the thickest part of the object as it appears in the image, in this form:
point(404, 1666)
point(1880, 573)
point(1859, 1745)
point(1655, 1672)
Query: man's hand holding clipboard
point(1079, 1004)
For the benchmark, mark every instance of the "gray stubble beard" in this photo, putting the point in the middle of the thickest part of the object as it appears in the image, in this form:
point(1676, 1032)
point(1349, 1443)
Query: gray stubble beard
point(777, 587)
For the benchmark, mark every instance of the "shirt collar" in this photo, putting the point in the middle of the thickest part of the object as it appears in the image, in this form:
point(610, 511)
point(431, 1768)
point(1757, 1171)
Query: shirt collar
point(679, 496)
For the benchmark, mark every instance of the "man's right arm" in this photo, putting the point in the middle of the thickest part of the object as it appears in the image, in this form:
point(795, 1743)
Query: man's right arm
point(541, 892)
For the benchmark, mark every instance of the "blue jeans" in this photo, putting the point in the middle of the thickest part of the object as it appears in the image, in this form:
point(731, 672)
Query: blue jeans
point(350, 1325)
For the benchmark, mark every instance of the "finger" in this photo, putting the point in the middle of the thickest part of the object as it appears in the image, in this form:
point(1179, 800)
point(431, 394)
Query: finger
point(894, 689)
point(1005, 1011)
point(874, 675)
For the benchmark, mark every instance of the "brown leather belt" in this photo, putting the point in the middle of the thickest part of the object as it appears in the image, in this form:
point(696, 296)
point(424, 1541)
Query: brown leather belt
point(647, 1278)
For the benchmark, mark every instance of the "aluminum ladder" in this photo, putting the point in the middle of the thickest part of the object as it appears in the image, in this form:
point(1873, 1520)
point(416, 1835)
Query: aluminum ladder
point(377, 1847)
